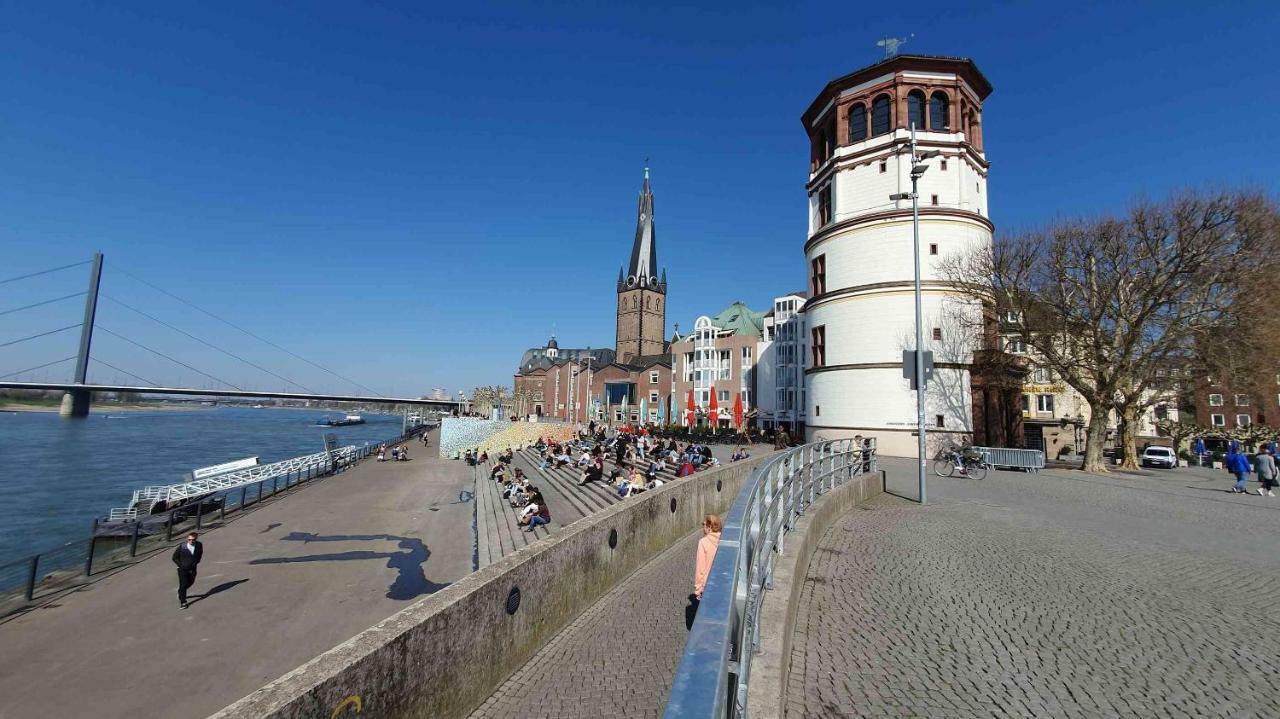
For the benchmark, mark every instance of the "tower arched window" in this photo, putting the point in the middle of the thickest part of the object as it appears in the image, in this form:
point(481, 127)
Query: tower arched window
point(915, 109)
point(880, 116)
point(857, 122)
point(939, 112)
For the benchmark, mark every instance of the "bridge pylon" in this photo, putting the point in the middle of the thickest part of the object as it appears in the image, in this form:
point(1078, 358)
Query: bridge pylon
point(75, 402)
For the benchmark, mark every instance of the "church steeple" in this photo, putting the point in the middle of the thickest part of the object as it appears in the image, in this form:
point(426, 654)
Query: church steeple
point(643, 268)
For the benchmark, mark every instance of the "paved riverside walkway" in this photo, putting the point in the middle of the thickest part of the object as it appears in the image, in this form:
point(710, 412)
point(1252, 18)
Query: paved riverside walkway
point(1058, 594)
point(282, 583)
point(615, 660)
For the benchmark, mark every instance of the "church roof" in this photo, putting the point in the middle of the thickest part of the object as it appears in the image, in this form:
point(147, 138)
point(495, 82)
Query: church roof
point(642, 271)
point(536, 357)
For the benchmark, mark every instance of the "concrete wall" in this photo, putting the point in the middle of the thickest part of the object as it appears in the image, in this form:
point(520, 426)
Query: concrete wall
point(445, 655)
point(771, 666)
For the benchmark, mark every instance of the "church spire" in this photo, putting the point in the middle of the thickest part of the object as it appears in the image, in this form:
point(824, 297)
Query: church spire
point(643, 269)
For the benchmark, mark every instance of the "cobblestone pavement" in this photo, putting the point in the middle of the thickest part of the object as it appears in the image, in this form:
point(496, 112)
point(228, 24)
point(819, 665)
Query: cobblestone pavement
point(1057, 594)
point(617, 659)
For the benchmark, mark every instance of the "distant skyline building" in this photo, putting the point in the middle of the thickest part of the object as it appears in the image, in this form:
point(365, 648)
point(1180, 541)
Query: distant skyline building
point(642, 294)
point(859, 255)
point(780, 365)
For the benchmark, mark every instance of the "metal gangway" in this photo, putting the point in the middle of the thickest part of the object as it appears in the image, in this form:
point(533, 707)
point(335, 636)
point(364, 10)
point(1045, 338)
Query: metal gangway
point(171, 494)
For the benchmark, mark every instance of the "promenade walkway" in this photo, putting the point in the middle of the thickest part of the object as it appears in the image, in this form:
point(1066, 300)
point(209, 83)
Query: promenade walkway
point(1056, 594)
point(279, 584)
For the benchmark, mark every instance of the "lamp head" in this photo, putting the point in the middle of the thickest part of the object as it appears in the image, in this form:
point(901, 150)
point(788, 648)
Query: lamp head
point(900, 196)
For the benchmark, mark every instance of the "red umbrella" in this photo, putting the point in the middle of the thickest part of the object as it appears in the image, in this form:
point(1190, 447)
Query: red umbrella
point(714, 409)
point(690, 413)
point(737, 410)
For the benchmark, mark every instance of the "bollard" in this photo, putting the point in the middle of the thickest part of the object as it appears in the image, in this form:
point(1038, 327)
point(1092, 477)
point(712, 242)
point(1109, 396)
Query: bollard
point(93, 543)
point(133, 540)
point(31, 577)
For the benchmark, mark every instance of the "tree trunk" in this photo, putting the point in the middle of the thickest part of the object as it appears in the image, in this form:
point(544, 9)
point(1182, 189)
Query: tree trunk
point(1096, 436)
point(1129, 436)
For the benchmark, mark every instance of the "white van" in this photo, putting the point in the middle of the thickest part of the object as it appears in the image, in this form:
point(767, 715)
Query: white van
point(1159, 457)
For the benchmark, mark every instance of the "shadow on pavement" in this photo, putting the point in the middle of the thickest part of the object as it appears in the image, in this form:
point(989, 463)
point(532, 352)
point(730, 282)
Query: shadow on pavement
point(219, 589)
point(410, 582)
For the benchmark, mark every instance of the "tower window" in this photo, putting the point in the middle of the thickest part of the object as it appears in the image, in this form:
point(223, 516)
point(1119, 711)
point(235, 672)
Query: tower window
point(824, 205)
point(884, 166)
point(942, 166)
point(881, 116)
point(939, 420)
point(939, 112)
point(819, 274)
point(819, 345)
point(857, 122)
point(915, 109)
point(937, 333)
point(933, 248)
point(934, 199)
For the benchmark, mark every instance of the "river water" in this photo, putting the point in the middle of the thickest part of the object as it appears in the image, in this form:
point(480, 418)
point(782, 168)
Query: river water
point(57, 474)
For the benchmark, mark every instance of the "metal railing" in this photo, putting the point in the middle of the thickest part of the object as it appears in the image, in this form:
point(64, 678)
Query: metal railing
point(31, 577)
point(711, 681)
point(1029, 459)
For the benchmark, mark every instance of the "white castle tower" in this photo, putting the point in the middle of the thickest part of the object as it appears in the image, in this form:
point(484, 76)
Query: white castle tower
point(861, 313)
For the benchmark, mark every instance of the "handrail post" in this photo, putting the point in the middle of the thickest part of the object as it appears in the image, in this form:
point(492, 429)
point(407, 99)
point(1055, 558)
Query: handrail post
point(200, 513)
point(93, 543)
point(168, 529)
point(31, 576)
point(133, 540)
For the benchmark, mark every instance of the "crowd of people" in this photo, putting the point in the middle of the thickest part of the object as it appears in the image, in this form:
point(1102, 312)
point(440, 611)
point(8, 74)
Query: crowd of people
point(399, 453)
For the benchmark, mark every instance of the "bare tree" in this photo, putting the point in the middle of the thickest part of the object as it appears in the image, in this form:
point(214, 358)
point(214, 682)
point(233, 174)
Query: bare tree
point(1107, 303)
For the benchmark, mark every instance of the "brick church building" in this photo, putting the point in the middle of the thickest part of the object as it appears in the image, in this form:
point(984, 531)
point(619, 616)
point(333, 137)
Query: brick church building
point(630, 383)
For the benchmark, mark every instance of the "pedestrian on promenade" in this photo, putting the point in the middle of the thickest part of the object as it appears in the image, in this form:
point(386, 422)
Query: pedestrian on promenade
point(187, 557)
point(1238, 465)
point(781, 439)
point(1266, 466)
point(705, 555)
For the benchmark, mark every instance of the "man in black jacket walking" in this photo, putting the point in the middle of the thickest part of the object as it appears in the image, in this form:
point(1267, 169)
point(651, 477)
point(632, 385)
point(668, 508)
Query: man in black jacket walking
point(187, 557)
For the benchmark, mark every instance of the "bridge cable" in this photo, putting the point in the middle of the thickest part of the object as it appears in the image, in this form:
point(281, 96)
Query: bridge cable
point(40, 366)
point(39, 304)
point(45, 272)
point(42, 334)
point(143, 380)
point(161, 354)
point(208, 344)
point(251, 334)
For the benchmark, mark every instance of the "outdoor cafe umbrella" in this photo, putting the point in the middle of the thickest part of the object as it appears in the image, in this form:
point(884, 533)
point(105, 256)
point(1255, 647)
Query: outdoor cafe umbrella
point(714, 410)
point(737, 410)
point(644, 410)
point(662, 413)
point(689, 414)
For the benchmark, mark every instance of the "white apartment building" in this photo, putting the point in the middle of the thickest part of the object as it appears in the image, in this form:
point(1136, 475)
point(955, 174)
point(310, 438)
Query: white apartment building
point(780, 368)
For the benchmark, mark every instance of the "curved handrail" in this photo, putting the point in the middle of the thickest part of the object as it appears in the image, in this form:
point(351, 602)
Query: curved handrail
point(712, 678)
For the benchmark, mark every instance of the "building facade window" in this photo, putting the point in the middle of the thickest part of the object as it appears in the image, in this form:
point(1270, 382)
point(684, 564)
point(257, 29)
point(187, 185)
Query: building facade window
point(818, 275)
point(825, 211)
point(1243, 420)
point(933, 248)
point(1016, 346)
point(939, 114)
point(933, 199)
point(1026, 403)
point(1242, 400)
point(881, 115)
point(653, 378)
point(937, 334)
point(942, 166)
point(939, 421)
point(653, 396)
point(1217, 420)
point(915, 109)
point(726, 368)
point(857, 122)
point(1044, 403)
point(818, 337)
point(1215, 400)
point(1042, 375)
point(746, 357)
point(722, 396)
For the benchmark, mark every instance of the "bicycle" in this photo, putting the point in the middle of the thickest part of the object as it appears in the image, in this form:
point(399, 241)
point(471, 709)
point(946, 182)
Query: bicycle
point(967, 462)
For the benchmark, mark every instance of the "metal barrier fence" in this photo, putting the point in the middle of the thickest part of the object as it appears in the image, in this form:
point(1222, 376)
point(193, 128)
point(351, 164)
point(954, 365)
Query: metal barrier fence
point(75, 563)
point(711, 681)
point(1029, 459)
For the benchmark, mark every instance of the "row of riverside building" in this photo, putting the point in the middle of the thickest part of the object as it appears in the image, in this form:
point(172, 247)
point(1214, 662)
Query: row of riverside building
point(826, 362)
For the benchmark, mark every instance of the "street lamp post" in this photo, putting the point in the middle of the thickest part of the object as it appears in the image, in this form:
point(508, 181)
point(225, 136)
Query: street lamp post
point(918, 168)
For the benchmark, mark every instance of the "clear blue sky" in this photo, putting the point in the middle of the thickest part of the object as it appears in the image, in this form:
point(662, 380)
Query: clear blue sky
point(411, 195)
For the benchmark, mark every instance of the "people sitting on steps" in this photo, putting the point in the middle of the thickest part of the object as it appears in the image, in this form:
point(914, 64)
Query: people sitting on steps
point(536, 513)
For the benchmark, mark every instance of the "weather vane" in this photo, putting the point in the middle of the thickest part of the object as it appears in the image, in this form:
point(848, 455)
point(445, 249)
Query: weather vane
point(891, 44)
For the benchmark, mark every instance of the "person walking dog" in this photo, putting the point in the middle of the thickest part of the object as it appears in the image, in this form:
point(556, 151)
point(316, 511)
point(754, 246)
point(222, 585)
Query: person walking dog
point(187, 557)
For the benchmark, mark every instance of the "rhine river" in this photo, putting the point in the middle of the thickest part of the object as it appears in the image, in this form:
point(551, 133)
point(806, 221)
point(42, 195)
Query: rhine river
point(57, 474)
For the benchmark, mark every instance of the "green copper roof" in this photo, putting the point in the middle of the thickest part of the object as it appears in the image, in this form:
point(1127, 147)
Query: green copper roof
point(741, 319)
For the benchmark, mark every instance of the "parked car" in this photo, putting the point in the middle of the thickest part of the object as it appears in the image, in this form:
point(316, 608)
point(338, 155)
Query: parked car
point(1159, 457)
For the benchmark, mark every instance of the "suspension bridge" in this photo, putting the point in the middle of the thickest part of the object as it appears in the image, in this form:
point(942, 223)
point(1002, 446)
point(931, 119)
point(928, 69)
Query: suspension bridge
point(79, 390)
